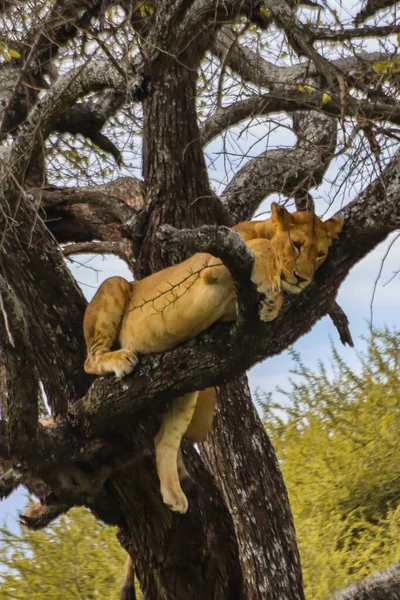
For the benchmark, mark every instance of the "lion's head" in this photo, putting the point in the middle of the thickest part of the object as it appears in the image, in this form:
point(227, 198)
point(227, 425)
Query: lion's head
point(301, 241)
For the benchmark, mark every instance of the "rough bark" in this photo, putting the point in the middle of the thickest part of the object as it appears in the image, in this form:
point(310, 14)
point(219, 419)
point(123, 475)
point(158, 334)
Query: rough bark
point(172, 146)
point(27, 248)
point(38, 50)
point(383, 585)
point(269, 560)
point(168, 549)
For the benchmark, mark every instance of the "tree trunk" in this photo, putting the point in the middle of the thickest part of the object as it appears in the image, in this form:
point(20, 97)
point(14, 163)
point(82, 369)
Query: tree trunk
point(227, 554)
point(243, 461)
point(179, 556)
point(176, 181)
point(170, 563)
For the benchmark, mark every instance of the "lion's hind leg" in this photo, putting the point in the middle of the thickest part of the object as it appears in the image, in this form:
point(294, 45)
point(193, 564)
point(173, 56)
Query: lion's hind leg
point(167, 444)
point(101, 325)
point(199, 427)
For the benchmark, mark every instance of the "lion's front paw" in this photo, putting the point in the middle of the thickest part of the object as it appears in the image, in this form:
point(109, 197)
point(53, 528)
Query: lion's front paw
point(270, 307)
point(123, 363)
point(267, 283)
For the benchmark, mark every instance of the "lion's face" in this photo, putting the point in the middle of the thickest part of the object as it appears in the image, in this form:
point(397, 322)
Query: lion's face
point(301, 241)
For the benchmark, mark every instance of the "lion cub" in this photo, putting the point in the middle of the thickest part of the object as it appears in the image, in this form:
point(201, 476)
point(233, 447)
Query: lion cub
point(176, 304)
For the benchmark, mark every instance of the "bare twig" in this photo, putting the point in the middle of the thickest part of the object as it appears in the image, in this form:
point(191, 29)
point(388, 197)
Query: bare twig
point(352, 33)
point(371, 304)
point(6, 324)
point(94, 248)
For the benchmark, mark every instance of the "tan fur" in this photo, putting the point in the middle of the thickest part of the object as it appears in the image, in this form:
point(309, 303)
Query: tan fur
point(176, 304)
point(202, 418)
point(34, 510)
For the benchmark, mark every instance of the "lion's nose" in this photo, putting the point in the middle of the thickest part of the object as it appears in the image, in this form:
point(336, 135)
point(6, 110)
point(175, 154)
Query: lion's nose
point(299, 278)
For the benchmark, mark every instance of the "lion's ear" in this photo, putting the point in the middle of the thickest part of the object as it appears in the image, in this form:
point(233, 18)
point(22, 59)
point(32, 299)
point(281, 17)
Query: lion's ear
point(280, 216)
point(334, 226)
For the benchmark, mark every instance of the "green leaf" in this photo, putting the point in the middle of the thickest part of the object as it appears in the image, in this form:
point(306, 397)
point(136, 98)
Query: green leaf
point(14, 53)
point(387, 66)
point(305, 88)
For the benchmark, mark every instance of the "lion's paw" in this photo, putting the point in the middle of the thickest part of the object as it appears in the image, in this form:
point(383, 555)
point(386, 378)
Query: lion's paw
point(270, 307)
point(268, 285)
point(124, 361)
point(268, 311)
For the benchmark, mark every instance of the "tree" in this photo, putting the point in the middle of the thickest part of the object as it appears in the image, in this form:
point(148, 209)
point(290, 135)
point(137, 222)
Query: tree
point(337, 444)
point(113, 72)
point(75, 557)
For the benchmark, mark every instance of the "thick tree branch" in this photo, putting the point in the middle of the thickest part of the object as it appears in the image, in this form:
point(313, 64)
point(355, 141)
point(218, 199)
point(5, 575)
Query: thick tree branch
point(9, 481)
point(109, 212)
point(253, 68)
point(39, 48)
point(4, 443)
point(227, 245)
point(292, 100)
point(372, 7)
point(28, 253)
point(300, 38)
point(383, 585)
point(119, 210)
point(286, 170)
point(22, 386)
point(94, 248)
point(323, 33)
point(188, 25)
point(88, 118)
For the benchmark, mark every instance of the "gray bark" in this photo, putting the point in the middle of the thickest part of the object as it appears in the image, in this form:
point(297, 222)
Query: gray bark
point(383, 585)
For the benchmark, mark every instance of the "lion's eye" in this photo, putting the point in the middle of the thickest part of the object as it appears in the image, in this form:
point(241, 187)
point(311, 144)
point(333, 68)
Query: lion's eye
point(321, 255)
point(297, 245)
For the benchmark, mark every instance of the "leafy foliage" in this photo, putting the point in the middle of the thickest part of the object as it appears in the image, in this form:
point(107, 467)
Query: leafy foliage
point(338, 443)
point(76, 558)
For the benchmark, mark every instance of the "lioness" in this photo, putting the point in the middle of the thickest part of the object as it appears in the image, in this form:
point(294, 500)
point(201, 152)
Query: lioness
point(176, 304)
